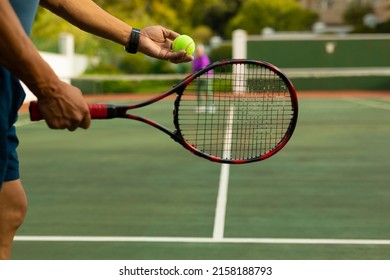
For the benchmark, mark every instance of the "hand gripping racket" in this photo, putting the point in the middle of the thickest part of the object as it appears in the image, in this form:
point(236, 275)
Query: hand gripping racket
point(235, 111)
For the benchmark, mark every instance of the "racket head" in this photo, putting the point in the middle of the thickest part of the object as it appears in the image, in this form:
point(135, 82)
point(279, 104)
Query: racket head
point(236, 111)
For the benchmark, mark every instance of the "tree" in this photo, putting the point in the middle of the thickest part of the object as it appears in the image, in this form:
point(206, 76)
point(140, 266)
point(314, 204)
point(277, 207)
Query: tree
point(138, 13)
point(48, 27)
point(200, 19)
point(282, 15)
point(216, 14)
point(355, 15)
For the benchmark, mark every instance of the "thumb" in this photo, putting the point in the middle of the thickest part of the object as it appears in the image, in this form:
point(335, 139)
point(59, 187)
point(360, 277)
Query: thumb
point(86, 121)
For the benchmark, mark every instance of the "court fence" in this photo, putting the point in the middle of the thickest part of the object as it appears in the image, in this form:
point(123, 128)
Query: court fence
point(322, 61)
point(311, 61)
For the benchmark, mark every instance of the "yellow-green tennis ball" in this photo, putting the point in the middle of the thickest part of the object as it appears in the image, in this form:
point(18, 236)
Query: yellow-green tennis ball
point(184, 42)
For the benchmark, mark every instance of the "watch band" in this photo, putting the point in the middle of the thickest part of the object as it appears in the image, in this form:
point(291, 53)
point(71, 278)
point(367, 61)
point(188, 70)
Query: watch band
point(132, 44)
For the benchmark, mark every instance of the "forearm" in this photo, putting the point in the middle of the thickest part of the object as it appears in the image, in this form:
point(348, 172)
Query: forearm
point(88, 16)
point(20, 56)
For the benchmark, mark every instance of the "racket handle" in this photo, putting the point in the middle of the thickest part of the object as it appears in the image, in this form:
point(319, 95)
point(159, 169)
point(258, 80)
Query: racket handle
point(101, 111)
point(97, 111)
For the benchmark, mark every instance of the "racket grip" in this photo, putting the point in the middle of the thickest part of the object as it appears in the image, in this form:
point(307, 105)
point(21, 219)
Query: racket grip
point(97, 111)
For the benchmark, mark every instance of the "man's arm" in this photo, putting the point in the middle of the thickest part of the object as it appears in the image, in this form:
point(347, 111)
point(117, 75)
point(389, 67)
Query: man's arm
point(18, 54)
point(61, 104)
point(89, 17)
point(154, 41)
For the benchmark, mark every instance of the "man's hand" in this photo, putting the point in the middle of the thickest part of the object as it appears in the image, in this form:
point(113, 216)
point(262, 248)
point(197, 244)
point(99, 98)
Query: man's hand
point(65, 107)
point(156, 41)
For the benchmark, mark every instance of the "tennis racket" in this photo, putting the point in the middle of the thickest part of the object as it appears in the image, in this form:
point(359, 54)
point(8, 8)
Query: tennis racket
point(235, 111)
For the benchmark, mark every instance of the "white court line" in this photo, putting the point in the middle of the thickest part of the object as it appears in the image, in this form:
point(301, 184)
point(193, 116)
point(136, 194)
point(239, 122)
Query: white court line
point(220, 210)
point(159, 239)
point(370, 103)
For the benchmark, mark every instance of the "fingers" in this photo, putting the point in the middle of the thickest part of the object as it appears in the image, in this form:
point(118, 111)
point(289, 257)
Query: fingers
point(178, 57)
point(68, 123)
point(181, 59)
point(75, 123)
point(156, 41)
point(175, 57)
point(86, 122)
point(170, 34)
point(66, 109)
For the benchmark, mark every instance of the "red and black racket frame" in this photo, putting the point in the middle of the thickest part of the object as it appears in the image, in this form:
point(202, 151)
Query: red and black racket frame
point(106, 111)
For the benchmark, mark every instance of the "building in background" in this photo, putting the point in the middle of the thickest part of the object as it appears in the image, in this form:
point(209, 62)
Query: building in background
point(331, 11)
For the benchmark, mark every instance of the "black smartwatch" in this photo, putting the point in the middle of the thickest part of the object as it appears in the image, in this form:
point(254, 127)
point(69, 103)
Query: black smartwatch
point(132, 44)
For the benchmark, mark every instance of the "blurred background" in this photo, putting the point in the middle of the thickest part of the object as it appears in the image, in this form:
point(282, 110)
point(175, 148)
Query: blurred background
point(125, 179)
point(210, 22)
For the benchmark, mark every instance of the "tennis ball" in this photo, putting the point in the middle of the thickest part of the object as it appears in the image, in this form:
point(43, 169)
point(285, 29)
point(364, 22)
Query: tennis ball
point(184, 42)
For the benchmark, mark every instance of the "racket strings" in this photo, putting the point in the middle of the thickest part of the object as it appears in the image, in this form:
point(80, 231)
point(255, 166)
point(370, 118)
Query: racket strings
point(237, 111)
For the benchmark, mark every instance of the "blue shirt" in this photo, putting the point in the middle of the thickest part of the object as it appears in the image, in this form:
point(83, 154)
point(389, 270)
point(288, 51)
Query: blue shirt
point(11, 98)
point(25, 10)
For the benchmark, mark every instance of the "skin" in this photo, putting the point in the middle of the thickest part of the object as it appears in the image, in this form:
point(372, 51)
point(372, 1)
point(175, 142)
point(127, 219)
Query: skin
point(61, 105)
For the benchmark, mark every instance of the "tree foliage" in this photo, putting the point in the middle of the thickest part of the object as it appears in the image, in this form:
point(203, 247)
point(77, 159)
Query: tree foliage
point(355, 14)
point(201, 19)
point(281, 15)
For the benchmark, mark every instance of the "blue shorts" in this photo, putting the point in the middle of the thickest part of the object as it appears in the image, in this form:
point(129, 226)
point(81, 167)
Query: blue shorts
point(11, 98)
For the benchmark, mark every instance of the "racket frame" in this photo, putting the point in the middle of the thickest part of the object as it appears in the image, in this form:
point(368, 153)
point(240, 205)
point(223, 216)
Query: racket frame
point(106, 111)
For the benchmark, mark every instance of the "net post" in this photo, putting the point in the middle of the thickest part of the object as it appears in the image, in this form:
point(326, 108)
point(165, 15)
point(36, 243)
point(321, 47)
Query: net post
point(239, 50)
point(239, 44)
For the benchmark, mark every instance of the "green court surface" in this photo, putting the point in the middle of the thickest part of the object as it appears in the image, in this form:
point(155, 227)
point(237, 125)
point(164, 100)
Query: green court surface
point(124, 190)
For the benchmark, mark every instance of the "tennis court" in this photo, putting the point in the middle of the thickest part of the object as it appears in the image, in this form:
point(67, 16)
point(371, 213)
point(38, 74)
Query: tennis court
point(124, 190)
